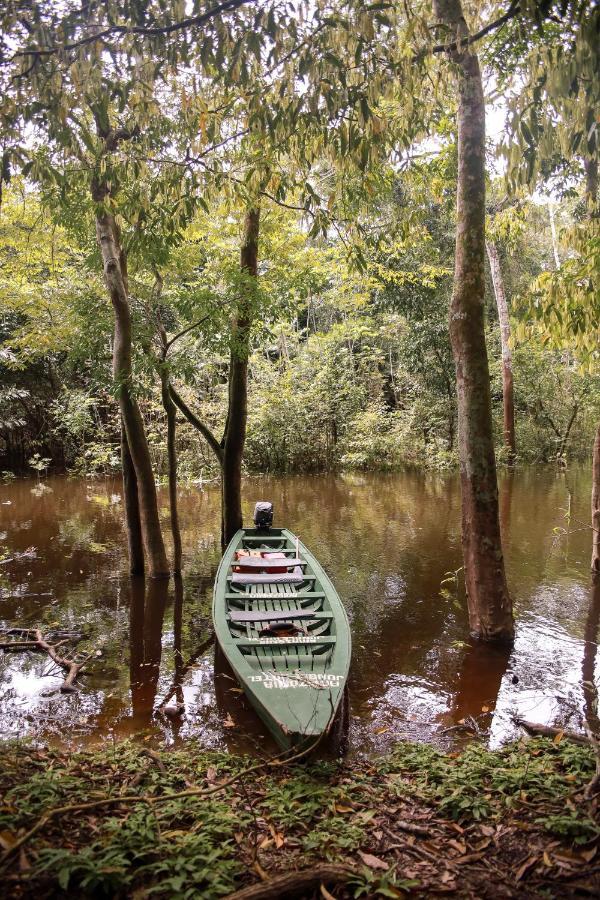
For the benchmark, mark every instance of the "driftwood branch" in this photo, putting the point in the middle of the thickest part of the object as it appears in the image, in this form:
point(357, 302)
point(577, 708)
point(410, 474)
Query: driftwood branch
point(293, 884)
point(552, 732)
point(35, 640)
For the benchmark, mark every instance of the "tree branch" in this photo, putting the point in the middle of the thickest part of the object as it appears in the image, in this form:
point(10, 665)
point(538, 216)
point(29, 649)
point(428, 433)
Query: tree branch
point(198, 425)
point(512, 11)
point(69, 666)
point(176, 337)
point(153, 31)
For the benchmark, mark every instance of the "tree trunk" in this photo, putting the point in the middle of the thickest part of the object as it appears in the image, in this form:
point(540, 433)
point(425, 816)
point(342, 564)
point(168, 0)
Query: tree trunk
point(133, 526)
point(490, 607)
point(596, 504)
point(171, 411)
point(591, 193)
point(115, 274)
point(562, 449)
point(171, 414)
point(146, 616)
point(508, 398)
point(237, 413)
point(554, 235)
point(588, 666)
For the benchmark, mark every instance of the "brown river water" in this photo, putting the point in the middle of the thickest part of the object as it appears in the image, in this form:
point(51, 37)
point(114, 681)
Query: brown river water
point(390, 542)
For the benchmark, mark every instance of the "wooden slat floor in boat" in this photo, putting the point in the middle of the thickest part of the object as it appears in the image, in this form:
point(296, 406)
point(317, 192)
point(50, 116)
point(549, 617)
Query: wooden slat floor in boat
point(282, 598)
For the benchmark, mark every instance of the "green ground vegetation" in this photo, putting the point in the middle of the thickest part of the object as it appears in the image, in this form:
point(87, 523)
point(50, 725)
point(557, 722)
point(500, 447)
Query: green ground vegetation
point(193, 822)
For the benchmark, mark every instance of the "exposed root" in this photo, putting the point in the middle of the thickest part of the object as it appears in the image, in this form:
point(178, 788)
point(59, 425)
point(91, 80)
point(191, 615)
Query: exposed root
point(35, 640)
point(293, 884)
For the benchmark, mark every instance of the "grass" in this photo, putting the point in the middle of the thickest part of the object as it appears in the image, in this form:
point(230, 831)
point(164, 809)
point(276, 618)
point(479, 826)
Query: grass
point(409, 822)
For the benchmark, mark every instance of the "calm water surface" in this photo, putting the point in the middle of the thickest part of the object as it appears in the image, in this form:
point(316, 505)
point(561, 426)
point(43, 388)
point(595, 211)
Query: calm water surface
point(390, 543)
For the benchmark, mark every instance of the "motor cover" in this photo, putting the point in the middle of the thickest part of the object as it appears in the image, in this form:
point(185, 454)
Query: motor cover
point(263, 514)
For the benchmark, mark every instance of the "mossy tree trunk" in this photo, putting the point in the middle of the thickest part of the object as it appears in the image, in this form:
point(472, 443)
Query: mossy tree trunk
point(490, 607)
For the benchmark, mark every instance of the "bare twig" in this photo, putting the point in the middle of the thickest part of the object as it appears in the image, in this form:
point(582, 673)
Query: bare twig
point(114, 30)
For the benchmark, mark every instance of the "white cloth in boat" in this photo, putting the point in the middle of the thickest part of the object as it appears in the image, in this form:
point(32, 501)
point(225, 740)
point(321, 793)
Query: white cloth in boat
point(294, 577)
point(257, 562)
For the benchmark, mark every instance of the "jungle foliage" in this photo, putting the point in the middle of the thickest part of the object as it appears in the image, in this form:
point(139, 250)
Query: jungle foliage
point(350, 367)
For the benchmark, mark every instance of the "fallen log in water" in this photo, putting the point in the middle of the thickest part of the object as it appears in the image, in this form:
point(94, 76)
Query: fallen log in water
point(551, 731)
point(35, 640)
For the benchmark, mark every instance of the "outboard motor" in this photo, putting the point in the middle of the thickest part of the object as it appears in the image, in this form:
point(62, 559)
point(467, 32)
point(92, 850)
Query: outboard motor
point(263, 515)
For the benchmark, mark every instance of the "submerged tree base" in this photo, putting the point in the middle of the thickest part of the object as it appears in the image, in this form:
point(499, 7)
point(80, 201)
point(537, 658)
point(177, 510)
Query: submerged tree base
point(505, 823)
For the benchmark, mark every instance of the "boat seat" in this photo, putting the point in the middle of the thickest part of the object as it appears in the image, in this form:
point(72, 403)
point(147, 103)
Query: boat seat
point(253, 562)
point(275, 614)
point(295, 577)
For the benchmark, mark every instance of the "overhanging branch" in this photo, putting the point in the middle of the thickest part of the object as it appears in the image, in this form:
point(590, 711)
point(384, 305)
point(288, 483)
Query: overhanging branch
point(512, 11)
point(153, 31)
point(198, 425)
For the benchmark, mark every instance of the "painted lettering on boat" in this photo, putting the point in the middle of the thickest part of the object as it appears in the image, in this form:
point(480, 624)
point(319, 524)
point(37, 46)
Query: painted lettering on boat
point(310, 639)
point(318, 680)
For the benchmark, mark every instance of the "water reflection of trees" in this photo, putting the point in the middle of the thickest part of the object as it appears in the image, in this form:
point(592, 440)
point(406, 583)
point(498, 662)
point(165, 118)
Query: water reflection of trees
point(147, 609)
point(478, 683)
point(588, 668)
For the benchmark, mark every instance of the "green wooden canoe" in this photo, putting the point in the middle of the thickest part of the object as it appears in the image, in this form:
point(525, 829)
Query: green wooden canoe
point(284, 633)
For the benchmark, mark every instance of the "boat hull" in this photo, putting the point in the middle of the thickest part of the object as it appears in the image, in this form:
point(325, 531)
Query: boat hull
point(285, 634)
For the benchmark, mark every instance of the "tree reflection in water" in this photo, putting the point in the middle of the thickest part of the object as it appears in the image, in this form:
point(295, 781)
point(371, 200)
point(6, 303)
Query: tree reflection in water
point(147, 609)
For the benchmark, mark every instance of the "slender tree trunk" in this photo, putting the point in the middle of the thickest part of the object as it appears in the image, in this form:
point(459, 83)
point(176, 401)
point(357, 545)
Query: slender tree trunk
point(596, 504)
point(554, 235)
point(115, 274)
point(562, 449)
point(591, 192)
point(171, 412)
point(133, 525)
point(237, 414)
point(508, 398)
point(490, 607)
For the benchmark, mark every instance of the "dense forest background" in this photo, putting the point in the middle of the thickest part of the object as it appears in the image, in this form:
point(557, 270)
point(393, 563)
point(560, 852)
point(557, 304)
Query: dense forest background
point(350, 366)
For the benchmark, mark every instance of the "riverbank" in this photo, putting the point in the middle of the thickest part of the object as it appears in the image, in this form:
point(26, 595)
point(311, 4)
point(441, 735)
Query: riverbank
point(129, 821)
